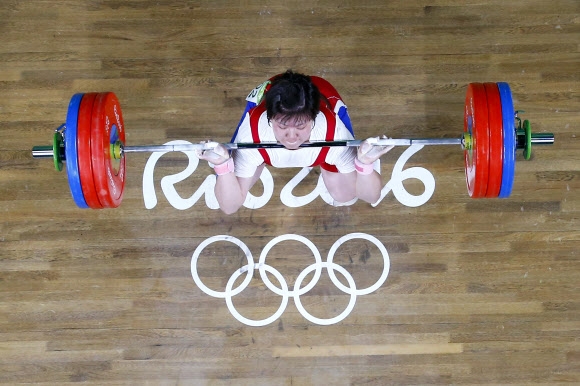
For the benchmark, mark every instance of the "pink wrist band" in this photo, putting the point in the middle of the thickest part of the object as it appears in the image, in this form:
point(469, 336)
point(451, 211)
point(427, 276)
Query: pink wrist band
point(363, 169)
point(225, 168)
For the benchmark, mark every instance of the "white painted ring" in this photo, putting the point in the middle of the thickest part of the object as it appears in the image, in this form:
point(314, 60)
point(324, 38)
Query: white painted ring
point(263, 322)
point(305, 241)
point(343, 314)
point(372, 239)
point(201, 247)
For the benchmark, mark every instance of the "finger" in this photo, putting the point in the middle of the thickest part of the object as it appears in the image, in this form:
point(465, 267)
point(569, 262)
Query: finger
point(382, 149)
point(207, 155)
point(364, 148)
point(386, 149)
point(221, 151)
point(367, 145)
point(211, 156)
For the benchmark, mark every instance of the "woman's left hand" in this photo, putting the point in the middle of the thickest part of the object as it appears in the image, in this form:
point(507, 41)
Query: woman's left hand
point(368, 153)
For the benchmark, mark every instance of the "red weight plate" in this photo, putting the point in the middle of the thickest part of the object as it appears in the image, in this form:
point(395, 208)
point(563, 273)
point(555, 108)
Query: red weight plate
point(475, 123)
point(107, 127)
point(84, 151)
point(495, 139)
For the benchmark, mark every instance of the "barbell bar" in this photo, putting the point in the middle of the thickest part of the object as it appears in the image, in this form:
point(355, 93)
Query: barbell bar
point(92, 143)
point(119, 149)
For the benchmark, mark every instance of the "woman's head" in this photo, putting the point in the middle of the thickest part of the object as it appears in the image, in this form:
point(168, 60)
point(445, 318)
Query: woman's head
point(292, 104)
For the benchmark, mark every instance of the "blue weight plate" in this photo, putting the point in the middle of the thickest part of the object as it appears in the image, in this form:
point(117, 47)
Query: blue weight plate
point(509, 143)
point(71, 151)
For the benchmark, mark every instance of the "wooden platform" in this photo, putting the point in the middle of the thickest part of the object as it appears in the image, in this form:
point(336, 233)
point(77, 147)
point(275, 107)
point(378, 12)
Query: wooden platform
point(478, 291)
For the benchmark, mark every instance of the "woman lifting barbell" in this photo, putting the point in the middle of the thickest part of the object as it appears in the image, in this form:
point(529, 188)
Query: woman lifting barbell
point(292, 109)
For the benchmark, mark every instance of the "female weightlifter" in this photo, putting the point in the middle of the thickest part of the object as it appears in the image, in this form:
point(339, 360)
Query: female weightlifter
point(291, 109)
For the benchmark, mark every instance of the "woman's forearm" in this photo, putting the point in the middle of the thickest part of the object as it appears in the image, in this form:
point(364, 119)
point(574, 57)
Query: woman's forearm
point(368, 187)
point(229, 193)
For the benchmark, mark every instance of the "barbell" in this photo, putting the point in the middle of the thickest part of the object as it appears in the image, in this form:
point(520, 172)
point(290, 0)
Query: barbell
point(92, 143)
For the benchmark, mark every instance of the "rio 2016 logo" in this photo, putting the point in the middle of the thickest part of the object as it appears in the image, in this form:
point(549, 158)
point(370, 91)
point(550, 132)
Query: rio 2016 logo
point(206, 188)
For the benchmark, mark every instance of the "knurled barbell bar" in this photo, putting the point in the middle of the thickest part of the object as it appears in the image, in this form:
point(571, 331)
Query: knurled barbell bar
point(92, 142)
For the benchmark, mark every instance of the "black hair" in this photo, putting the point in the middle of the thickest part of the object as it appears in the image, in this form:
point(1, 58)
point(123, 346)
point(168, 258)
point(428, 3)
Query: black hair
point(292, 95)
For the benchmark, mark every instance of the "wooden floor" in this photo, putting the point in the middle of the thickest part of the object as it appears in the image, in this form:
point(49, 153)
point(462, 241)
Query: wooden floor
point(478, 291)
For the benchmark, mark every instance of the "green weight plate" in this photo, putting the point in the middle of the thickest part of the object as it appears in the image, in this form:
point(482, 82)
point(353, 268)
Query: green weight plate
point(57, 150)
point(528, 148)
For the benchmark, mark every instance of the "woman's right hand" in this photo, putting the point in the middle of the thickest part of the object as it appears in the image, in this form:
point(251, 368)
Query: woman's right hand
point(217, 156)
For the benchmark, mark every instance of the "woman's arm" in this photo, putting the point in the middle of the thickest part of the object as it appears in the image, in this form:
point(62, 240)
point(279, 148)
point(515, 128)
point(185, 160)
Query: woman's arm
point(365, 183)
point(230, 191)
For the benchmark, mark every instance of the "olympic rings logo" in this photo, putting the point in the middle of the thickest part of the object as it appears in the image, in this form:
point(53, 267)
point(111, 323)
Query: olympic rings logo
point(283, 290)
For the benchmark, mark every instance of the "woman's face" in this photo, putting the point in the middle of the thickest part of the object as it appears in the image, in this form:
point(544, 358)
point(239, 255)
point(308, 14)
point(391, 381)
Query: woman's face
point(291, 132)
